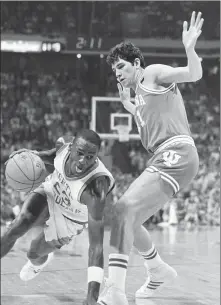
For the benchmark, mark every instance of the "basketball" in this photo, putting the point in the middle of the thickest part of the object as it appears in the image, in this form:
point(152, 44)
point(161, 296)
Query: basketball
point(25, 171)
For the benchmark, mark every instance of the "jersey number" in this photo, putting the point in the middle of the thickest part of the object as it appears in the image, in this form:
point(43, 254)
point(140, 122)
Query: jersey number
point(61, 197)
point(170, 157)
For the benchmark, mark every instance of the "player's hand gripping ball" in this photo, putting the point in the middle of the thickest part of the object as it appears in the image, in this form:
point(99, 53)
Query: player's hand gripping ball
point(25, 171)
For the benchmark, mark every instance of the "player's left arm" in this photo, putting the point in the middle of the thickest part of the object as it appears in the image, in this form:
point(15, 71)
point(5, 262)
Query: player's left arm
point(47, 156)
point(193, 71)
point(95, 198)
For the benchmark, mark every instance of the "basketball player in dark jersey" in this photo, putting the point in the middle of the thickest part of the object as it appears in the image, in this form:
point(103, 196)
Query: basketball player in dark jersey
point(162, 123)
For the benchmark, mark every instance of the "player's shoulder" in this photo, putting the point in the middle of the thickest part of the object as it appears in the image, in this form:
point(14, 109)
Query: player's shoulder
point(101, 181)
point(101, 165)
point(104, 170)
point(62, 142)
point(64, 139)
point(99, 185)
point(150, 74)
point(152, 70)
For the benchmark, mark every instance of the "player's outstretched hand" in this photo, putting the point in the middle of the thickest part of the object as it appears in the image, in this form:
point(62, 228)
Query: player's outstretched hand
point(190, 36)
point(124, 93)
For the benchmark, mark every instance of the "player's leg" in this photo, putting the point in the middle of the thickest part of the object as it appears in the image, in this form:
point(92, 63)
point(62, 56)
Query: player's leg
point(143, 243)
point(177, 176)
point(39, 255)
point(39, 250)
point(33, 212)
point(144, 197)
point(158, 272)
point(142, 239)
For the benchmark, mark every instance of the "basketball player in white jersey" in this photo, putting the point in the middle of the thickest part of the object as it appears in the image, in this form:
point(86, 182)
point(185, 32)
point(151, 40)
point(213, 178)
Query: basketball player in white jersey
point(162, 123)
point(70, 198)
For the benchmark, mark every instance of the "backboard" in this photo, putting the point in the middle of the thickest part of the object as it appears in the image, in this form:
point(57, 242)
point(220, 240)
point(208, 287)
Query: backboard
point(109, 118)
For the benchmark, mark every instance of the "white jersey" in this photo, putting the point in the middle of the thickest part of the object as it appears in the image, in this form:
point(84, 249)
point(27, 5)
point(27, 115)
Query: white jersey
point(67, 191)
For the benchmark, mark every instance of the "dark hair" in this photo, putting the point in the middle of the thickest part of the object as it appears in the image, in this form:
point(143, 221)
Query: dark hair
point(90, 136)
point(127, 51)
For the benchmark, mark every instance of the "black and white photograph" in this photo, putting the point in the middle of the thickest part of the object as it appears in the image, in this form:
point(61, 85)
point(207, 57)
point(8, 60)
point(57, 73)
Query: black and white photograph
point(110, 152)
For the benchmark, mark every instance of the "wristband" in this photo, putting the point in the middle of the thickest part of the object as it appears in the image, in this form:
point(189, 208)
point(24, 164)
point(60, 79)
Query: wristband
point(95, 274)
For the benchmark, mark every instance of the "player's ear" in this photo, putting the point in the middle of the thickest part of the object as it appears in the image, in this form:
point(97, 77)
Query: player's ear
point(137, 63)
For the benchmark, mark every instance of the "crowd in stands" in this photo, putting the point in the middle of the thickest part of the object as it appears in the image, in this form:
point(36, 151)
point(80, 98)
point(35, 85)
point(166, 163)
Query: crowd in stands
point(111, 19)
point(38, 107)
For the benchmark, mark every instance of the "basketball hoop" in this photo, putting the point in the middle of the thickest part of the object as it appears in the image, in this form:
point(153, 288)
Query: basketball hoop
point(113, 115)
point(123, 132)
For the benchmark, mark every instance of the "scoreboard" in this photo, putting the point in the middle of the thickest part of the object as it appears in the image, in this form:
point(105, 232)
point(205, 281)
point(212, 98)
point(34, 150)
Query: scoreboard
point(90, 43)
point(153, 47)
point(95, 45)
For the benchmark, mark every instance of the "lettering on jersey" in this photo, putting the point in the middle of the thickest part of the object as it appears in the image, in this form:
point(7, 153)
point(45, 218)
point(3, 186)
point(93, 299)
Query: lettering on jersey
point(139, 100)
point(170, 157)
point(139, 120)
point(62, 193)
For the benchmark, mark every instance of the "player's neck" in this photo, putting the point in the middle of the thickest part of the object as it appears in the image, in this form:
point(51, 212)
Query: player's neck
point(138, 77)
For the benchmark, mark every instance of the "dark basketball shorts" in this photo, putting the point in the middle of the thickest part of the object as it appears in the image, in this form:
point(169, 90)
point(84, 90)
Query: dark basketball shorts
point(177, 162)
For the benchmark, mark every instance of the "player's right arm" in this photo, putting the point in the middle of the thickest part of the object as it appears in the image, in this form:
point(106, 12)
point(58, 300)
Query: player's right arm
point(190, 73)
point(125, 99)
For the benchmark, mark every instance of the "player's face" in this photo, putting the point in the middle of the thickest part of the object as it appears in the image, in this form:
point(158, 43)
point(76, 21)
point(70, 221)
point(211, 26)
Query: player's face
point(125, 72)
point(83, 155)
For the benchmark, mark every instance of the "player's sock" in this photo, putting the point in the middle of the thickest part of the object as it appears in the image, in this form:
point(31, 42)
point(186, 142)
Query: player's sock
point(118, 269)
point(152, 258)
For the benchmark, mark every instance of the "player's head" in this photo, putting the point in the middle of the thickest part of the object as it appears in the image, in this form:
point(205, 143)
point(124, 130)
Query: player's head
point(126, 61)
point(84, 150)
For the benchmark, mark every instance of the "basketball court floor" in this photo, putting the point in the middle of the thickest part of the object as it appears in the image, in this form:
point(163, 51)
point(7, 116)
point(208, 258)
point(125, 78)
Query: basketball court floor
point(195, 255)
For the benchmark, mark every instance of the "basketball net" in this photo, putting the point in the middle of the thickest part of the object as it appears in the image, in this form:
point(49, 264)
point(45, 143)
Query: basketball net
point(123, 131)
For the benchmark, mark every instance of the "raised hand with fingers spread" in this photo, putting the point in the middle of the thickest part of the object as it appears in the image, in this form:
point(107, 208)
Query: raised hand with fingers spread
point(191, 35)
